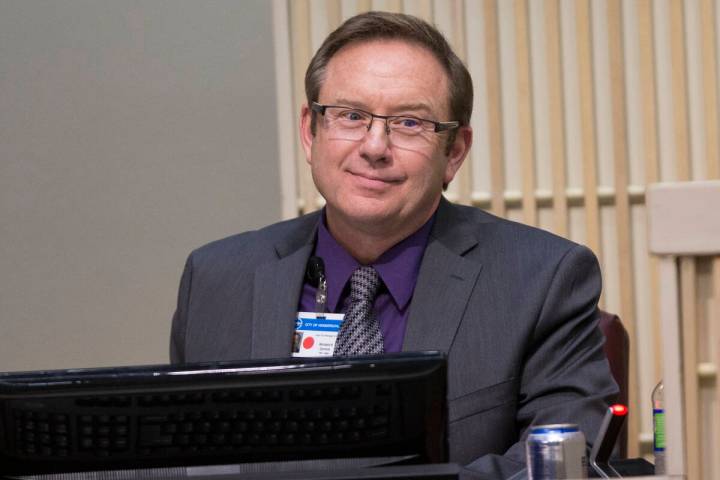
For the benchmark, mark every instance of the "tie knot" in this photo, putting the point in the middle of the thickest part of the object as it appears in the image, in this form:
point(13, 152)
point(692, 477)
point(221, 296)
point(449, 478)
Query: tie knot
point(364, 284)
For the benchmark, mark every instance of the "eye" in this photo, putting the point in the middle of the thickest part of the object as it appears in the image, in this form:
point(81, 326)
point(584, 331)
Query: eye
point(352, 115)
point(408, 123)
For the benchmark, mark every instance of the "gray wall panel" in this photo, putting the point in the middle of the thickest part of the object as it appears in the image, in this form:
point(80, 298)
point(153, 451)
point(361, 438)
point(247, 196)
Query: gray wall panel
point(130, 133)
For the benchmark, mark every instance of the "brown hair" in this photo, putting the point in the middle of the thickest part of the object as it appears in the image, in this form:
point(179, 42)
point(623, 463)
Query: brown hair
point(396, 26)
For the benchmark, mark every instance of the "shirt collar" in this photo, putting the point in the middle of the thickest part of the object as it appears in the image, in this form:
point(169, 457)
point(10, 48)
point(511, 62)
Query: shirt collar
point(398, 266)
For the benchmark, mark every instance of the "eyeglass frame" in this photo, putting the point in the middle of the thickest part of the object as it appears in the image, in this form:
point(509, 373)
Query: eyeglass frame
point(439, 126)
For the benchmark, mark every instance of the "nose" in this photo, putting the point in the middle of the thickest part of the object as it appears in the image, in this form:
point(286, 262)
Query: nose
point(374, 146)
point(383, 121)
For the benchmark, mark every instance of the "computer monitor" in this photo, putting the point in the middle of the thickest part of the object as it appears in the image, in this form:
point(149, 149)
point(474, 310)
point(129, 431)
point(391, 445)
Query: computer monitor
point(280, 410)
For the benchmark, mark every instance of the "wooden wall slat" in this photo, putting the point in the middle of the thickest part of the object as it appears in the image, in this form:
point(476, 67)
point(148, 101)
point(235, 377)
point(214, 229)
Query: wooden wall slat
point(648, 82)
point(672, 360)
point(364, 6)
point(710, 79)
point(715, 340)
point(419, 8)
point(525, 111)
point(694, 89)
point(301, 55)
point(587, 119)
point(394, 6)
point(650, 146)
point(285, 110)
point(494, 94)
point(479, 154)
point(622, 202)
point(712, 155)
point(679, 90)
point(334, 14)
point(458, 38)
point(664, 99)
point(459, 43)
point(556, 116)
point(649, 90)
point(690, 361)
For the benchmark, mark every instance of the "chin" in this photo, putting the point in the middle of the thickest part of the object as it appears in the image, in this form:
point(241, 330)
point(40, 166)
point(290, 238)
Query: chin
point(362, 211)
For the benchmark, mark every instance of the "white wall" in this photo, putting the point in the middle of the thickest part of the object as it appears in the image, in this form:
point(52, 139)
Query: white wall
point(130, 133)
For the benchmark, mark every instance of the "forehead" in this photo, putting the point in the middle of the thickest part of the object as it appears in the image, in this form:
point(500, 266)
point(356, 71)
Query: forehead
point(385, 74)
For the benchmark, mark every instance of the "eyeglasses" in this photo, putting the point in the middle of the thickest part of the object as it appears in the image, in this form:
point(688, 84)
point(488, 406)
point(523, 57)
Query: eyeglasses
point(407, 131)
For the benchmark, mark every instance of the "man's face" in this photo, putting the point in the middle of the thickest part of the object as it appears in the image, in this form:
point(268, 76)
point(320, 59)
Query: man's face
point(372, 184)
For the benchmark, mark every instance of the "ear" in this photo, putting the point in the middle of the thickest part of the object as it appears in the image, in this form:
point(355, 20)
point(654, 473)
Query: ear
point(306, 135)
point(458, 152)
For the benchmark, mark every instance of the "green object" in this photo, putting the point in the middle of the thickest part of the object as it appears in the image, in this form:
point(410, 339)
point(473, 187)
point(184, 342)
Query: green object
point(659, 422)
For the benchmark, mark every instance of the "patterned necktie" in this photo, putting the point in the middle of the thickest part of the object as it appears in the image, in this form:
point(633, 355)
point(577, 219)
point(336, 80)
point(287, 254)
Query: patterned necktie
point(360, 331)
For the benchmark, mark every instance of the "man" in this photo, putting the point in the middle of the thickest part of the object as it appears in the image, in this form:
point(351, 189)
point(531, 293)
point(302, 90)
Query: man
point(385, 129)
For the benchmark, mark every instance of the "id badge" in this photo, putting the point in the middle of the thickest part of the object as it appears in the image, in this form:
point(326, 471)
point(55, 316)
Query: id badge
point(315, 337)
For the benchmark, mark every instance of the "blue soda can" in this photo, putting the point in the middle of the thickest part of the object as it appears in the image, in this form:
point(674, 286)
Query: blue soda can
point(556, 452)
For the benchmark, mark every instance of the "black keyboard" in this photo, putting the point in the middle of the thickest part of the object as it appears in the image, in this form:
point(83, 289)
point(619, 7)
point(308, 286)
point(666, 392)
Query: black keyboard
point(236, 418)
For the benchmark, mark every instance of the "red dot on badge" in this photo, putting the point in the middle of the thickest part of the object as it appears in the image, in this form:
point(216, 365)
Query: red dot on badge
point(308, 342)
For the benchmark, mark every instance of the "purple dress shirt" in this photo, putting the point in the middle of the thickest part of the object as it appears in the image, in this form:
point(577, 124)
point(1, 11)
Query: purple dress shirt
point(398, 268)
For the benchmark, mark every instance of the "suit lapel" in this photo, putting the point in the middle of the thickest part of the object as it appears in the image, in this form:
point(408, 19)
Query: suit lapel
point(445, 282)
point(277, 288)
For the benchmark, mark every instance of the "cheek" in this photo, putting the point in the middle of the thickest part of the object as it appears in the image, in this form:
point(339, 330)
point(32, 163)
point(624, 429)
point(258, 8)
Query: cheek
point(326, 165)
point(438, 169)
point(329, 152)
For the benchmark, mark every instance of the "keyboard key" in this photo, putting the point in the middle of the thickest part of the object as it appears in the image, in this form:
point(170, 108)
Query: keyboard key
point(120, 444)
point(379, 421)
point(377, 433)
point(152, 435)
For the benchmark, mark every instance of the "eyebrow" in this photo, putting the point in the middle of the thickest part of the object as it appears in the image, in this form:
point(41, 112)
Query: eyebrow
point(397, 110)
point(414, 107)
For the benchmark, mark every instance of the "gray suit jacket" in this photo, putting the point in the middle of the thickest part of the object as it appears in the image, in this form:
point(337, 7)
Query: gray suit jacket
point(513, 307)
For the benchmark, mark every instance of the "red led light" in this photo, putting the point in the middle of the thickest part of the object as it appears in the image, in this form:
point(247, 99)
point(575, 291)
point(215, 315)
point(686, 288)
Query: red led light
point(619, 409)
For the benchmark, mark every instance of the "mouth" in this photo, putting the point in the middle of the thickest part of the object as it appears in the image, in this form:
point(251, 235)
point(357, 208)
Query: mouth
point(374, 182)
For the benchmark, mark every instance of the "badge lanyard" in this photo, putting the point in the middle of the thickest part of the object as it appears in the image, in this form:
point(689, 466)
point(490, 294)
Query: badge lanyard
point(316, 332)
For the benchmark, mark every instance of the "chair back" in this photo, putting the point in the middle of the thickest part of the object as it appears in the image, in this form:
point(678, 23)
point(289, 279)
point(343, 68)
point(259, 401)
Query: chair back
point(617, 350)
point(683, 225)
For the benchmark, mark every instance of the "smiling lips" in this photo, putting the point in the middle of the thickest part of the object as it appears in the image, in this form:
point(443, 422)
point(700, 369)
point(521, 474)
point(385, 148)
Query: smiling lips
point(373, 181)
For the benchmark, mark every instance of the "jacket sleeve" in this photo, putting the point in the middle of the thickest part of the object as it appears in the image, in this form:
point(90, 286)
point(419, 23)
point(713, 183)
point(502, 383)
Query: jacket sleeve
point(565, 376)
point(179, 320)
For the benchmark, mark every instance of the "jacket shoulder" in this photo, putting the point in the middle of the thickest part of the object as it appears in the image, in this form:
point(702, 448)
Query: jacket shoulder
point(486, 226)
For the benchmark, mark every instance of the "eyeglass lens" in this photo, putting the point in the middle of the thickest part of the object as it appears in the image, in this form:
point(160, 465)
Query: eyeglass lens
point(353, 125)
